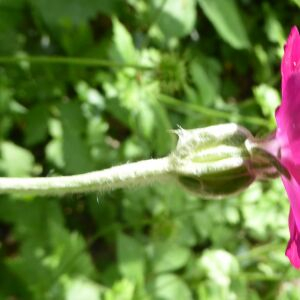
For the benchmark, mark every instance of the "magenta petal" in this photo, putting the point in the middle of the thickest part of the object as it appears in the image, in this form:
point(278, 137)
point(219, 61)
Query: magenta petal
point(288, 136)
point(293, 247)
point(287, 116)
point(293, 190)
point(291, 58)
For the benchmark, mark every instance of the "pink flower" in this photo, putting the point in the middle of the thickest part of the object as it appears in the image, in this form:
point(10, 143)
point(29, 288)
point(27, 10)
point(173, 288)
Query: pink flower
point(288, 135)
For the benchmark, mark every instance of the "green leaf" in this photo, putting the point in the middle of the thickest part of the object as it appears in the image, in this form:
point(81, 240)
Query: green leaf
point(169, 287)
point(169, 257)
point(220, 266)
point(124, 50)
point(78, 161)
point(69, 253)
point(175, 18)
point(15, 160)
point(75, 11)
point(145, 119)
point(71, 117)
point(32, 219)
point(296, 2)
point(258, 215)
point(54, 153)
point(10, 19)
point(163, 140)
point(82, 289)
point(226, 19)
point(273, 27)
point(36, 125)
point(90, 95)
point(131, 258)
point(11, 282)
point(268, 98)
point(291, 290)
point(206, 76)
point(73, 125)
point(67, 19)
point(121, 290)
point(61, 254)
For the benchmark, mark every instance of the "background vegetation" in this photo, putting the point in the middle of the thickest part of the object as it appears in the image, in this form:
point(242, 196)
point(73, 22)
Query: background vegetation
point(86, 84)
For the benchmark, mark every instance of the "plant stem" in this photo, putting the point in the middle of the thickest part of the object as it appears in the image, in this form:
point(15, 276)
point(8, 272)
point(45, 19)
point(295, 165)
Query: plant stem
point(131, 174)
point(210, 112)
point(79, 61)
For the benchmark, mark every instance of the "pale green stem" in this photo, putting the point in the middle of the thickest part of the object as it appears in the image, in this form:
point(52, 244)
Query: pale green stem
point(79, 61)
point(131, 174)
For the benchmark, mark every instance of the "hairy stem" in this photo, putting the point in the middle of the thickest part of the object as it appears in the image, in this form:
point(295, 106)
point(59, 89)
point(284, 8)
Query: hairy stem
point(131, 174)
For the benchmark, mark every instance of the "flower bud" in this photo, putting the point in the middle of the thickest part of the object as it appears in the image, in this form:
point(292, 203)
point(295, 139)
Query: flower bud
point(214, 161)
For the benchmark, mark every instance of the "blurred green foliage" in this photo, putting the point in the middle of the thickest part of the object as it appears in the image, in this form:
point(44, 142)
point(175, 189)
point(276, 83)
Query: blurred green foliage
point(85, 85)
